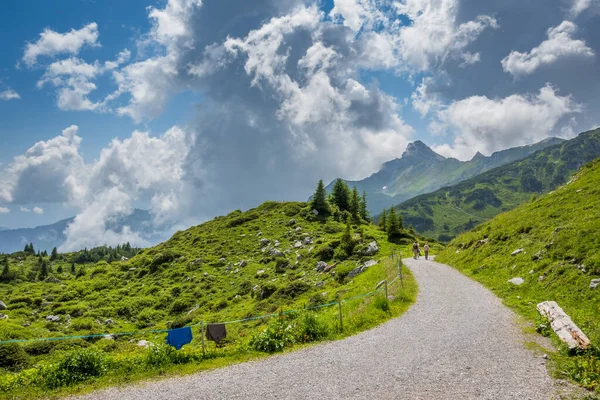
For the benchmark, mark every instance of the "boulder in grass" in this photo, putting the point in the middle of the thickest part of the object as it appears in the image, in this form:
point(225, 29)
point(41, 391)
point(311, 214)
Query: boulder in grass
point(143, 343)
point(517, 251)
point(371, 249)
point(53, 318)
point(594, 283)
point(2, 305)
point(516, 281)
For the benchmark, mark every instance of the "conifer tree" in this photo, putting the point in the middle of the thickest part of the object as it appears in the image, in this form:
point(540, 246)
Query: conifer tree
point(73, 268)
point(392, 221)
point(355, 205)
point(59, 269)
point(364, 212)
point(383, 220)
point(54, 254)
point(5, 271)
point(346, 242)
point(340, 195)
point(319, 201)
point(43, 271)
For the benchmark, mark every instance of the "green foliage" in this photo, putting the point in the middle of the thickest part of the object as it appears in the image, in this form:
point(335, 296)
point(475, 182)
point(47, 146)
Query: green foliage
point(54, 254)
point(275, 337)
point(347, 242)
point(12, 356)
point(43, 270)
point(311, 328)
point(382, 303)
point(340, 195)
point(319, 200)
point(559, 233)
point(73, 368)
point(159, 355)
point(355, 205)
point(383, 222)
point(364, 207)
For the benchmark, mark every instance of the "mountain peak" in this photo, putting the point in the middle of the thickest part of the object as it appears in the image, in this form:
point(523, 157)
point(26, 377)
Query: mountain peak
point(478, 156)
point(421, 150)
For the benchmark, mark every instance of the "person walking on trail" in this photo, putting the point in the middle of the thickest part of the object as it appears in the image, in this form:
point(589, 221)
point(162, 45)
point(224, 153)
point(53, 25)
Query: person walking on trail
point(426, 251)
point(415, 250)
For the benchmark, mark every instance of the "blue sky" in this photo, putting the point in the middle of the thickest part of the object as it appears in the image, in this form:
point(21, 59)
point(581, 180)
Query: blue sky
point(192, 108)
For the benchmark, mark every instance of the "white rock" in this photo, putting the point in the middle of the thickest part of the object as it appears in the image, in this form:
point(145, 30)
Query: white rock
point(2, 305)
point(298, 244)
point(315, 212)
point(143, 343)
point(594, 283)
point(517, 251)
point(516, 281)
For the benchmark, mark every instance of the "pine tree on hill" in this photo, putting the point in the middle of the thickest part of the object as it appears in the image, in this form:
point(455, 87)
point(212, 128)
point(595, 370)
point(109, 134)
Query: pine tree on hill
point(43, 271)
point(5, 277)
point(392, 223)
point(319, 202)
point(383, 220)
point(355, 205)
point(73, 268)
point(340, 195)
point(54, 254)
point(364, 212)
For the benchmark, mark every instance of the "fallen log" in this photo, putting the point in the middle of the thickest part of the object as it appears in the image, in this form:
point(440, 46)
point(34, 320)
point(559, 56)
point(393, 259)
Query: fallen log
point(562, 325)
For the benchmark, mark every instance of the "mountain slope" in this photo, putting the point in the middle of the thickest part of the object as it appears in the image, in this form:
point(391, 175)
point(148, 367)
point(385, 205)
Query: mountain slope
point(421, 170)
point(559, 236)
point(237, 266)
point(47, 237)
point(451, 210)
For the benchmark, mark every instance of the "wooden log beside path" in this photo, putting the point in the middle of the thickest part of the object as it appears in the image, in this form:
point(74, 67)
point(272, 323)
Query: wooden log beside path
point(562, 325)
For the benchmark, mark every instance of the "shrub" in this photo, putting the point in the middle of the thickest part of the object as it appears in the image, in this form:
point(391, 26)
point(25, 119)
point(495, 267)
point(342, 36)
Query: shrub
point(275, 337)
point(148, 317)
point(324, 252)
point(82, 324)
point(181, 321)
point(106, 345)
point(73, 368)
point(159, 355)
point(294, 289)
point(382, 303)
point(312, 329)
point(181, 305)
point(13, 357)
point(39, 348)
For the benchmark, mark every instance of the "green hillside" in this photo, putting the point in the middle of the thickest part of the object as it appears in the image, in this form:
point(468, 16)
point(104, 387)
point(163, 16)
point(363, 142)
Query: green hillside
point(451, 210)
point(560, 237)
point(239, 266)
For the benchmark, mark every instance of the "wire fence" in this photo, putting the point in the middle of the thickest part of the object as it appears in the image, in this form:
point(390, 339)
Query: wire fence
point(380, 287)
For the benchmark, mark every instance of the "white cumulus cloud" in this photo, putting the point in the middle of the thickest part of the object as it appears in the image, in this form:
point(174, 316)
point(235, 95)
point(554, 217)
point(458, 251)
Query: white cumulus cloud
point(9, 95)
point(488, 125)
point(38, 210)
point(559, 45)
point(4, 210)
point(52, 43)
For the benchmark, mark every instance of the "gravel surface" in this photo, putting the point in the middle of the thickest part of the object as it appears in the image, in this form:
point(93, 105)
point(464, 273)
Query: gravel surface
point(457, 342)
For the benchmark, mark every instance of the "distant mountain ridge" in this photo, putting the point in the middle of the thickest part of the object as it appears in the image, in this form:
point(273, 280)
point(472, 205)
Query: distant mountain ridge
point(47, 237)
point(454, 209)
point(421, 170)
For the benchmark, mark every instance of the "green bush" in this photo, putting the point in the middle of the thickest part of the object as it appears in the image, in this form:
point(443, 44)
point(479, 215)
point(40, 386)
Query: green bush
point(294, 289)
point(73, 368)
point(181, 321)
point(106, 345)
point(159, 355)
point(382, 303)
point(275, 337)
point(13, 357)
point(147, 317)
point(181, 305)
point(312, 329)
point(82, 324)
point(324, 252)
point(40, 347)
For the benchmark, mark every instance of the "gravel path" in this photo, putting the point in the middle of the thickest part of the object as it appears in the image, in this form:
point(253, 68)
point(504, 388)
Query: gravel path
point(457, 342)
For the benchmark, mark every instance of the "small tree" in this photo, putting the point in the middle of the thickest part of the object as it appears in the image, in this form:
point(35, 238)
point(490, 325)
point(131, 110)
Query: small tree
point(340, 195)
point(383, 220)
point(347, 242)
point(5, 277)
point(59, 269)
point(355, 205)
point(43, 271)
point(73, 268)
point(392, 223)
point(364, 212)
point(319, 201)
point(54, 254)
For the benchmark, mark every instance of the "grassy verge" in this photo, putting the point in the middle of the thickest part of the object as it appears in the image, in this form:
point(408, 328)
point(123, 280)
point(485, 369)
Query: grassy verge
point(552, 244)
point(120, 361)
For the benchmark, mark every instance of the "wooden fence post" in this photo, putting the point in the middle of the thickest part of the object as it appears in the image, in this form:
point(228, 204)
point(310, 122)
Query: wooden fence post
point(339, 298)
point(203, 354)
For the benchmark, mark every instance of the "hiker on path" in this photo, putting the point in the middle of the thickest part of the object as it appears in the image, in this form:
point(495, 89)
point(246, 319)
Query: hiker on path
point(415, 250)
point(426, 250)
